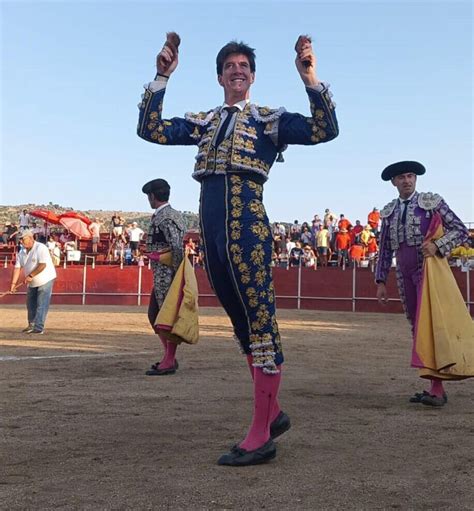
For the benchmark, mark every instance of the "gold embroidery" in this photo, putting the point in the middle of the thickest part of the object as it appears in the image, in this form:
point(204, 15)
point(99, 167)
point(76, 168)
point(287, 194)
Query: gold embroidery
point(256, 207)
point(252, 295)
point(260, 230)
point(260, 277)
point(257, 255)
point(258, 189)
point(158, 137)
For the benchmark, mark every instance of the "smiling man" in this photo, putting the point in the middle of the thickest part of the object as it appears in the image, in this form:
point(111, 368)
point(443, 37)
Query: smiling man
point(238, 143)
point(405, 223)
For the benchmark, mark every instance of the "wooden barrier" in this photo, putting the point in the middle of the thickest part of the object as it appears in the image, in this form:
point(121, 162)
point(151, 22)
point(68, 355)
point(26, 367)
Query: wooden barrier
point(297, 288)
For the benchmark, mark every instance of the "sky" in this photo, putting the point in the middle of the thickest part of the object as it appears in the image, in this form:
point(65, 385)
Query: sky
point(72, 74)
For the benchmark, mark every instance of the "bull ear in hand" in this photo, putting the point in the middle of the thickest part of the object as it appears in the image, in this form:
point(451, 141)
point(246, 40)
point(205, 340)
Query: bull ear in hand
point(172, 43)
point(300, 43)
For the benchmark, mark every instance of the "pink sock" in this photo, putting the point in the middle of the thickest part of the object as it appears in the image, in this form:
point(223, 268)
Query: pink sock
point(276, 407)
point(265, 394)
point(437, 387)
point(169, 358)
point(164, 342)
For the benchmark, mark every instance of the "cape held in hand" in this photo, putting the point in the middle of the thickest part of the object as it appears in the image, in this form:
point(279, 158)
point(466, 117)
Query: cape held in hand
point(178, 319)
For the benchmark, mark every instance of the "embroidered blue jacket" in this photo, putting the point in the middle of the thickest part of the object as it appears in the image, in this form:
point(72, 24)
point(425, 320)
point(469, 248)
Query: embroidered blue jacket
point(259, 133)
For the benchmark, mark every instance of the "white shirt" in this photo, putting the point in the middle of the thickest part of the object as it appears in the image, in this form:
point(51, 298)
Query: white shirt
point(38, 254)
point(135, 234)
point(402, 204)
point(24, 219)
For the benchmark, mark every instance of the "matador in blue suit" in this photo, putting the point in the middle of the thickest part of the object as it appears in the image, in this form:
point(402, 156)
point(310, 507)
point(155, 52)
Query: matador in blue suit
point(238, 143)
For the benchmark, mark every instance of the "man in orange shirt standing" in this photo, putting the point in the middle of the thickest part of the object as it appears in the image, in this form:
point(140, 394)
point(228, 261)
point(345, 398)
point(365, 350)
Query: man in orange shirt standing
point(344, 223)
point(343, 243)
point(373, 219)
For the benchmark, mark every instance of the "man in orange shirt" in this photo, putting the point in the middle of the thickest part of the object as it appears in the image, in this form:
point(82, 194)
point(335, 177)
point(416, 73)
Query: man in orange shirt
point(344, 223)
point(373, 219)
point(356, 253)
point(343, 243)
point(355, 232)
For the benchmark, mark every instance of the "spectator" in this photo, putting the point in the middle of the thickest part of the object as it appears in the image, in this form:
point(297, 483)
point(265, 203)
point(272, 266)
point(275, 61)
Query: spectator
point(343, 244)
point(373, 219)
point(117, 223)
point(295, 231)
point(135, 235)
point(355, 232)
point(356, 253)
point(11, 234)
point(316, 223)
point(279, 233)
point(344, 223)
point(54, 250)
point(306, 236)
point(365, 235)
point(309, 257)
point(190, 247)
point(119, 250)
point(127, 254)
point(290, 245)
point(329, 219)
point(64, 238)
point(322, 244)
point(372, 247)
point(24, 220)
point(296, 254)
point(94, 229)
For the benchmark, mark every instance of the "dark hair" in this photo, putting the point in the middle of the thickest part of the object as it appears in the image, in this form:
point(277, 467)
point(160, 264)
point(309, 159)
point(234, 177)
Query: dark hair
point(159, 188)
point(233, 48)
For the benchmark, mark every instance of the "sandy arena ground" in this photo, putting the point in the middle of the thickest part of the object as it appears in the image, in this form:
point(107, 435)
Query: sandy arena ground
point(83, 428)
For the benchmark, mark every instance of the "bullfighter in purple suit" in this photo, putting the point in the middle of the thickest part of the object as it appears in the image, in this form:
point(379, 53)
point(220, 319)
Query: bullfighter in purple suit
point(405, 221)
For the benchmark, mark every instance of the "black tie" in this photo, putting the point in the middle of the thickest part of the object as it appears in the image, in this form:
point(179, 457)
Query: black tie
point(221, 135)
point(404, 214)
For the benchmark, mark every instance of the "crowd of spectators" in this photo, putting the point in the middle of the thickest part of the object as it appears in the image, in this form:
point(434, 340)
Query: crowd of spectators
point(327, 240)
point(330, 240)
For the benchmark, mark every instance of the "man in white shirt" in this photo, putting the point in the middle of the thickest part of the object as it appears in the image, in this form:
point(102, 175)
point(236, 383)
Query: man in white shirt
point(24, 220)
point(135, 235)
point(35, 261)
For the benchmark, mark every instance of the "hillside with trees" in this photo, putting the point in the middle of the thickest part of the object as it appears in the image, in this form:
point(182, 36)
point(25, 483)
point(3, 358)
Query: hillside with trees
point(11, 214)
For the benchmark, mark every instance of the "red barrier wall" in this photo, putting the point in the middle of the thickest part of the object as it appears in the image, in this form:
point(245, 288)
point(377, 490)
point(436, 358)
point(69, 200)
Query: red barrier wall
point(322, 289)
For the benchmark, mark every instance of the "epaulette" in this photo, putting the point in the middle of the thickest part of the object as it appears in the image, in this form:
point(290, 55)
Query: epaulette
point(387, 210)
point(201, 118)
point(265, 114)
point(429, 200)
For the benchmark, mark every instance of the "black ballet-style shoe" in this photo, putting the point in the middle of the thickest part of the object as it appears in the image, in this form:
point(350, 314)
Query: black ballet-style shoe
point(239, 457)
point(430, 400)
point(156, 371)
point(279, 425)
point(418, 397)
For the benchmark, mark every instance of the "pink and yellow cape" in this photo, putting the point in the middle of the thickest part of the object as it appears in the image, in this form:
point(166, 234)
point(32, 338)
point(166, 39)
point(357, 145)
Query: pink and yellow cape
point(443, 345)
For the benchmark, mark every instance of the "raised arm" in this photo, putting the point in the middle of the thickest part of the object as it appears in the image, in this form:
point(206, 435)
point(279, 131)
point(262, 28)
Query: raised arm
point(151, 126)
point(322, 126)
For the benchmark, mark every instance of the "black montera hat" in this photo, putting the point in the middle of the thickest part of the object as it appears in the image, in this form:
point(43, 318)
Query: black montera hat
point(156, 185)
point(402, 167)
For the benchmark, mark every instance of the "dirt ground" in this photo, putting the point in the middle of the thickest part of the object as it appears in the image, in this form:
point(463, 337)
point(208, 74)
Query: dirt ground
point(83, 428)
